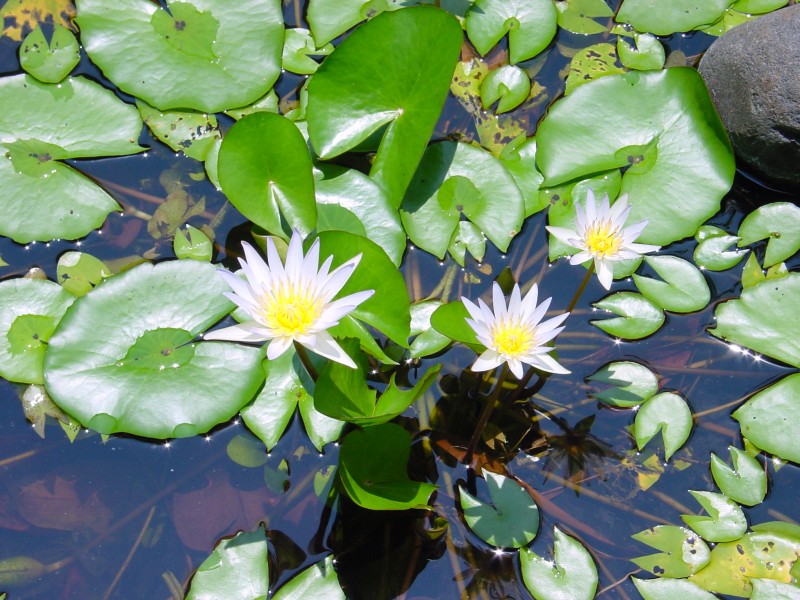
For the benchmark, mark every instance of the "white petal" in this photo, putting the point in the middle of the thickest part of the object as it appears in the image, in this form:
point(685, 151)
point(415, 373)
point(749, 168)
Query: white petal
point(255, 269)
point(480, 329)
point(294, 257)
point(580, 258)
point(547, 326)
point(545, 336)
point(333, 284)
point(643, 248)
point(488, 360)
point(472, 309)
point(343, 306)
point(515, 302)
point(274, 260)
point(631, 232)
point(326, 346)
point(487, 314)
point(239, 287)
point(619, 211)
point(564, 235)
point(528, 305)
point(536, 316)
point(516, 368)
point(545, 362)
point(311, 259)
point(278, 346)
point(498, 302)
point(235, 333)
point(604, 273)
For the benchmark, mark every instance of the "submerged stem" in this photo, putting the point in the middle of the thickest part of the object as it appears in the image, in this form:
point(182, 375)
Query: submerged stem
point(487, 412)
point(580, 289)
point(306, 360)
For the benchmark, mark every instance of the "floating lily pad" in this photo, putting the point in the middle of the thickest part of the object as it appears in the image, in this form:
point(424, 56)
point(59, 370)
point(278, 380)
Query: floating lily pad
point(265, 171)
point(450, 320)
point(633, 121)
point(457, 179)
point(319, 581)
point(530, 25)
point(42, 124)
point(208, 55)
point(391, 75)
point(779, 223)
point(746, 482)
point(713, 249)
point(631, 383)
point(769, 418)
point(668, 413)
point(298, 48)
point(726, 521)
point(122, 359)
point(683, 290)
point(192, 133)
point(639, 317)
point(571, 574)
point(764, 319)
point(664, 18)
point(49, 61)
point(427, 340)
point(649, 53)
point(192, 243)
point(237, 569)
point(331, 18)
point(578, 16)
point(510, 521)
point(79, 273)
point(508, 84)
point(30, 309)
point(519, 159)
point(669, 589)
point(373, 465)
point(683, 552)
point(593, 62)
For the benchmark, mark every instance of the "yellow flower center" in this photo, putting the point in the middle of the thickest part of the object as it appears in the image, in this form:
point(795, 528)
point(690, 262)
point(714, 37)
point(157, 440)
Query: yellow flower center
point(602, 239)
point(291, 311)
point(512, 339)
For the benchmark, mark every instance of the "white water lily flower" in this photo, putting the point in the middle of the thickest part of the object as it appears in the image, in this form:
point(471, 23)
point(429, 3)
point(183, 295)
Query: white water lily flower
point(291, 303)
point(515, 334)
point(600, 234)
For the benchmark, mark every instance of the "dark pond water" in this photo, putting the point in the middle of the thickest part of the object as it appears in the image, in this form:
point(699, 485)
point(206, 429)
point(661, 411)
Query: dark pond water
point(122, 518)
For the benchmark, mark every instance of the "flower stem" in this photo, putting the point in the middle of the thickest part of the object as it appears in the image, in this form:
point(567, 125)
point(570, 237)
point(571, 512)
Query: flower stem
point(306, 360)
point(580, 289)
point(487, 412)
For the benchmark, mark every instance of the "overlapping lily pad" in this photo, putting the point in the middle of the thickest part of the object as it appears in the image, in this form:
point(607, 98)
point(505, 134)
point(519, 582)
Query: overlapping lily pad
point(42, 124)
point(123, 359)
point(643, 122)
point(664, 18)
point(208, 55)
point(49, 61)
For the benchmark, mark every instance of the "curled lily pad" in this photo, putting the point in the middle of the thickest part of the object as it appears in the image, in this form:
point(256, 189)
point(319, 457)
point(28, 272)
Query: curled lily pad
point(630, 121)
point(779, 223)
point(683, 290)
point(639, 317)
point(50, 61)
point(664, 18)
point(201, 54)
point(726, 521)
point(390, 76)
point(668, 413)
point(317, 581)
point(30, 309)
point(41, 124)
point(123, 358)
point(713, 249)
point(298, 48)
point(530, 24)
point(746, 482)
point(508, 84)
point(631, 383)
point(683, 552)
point(571, 574)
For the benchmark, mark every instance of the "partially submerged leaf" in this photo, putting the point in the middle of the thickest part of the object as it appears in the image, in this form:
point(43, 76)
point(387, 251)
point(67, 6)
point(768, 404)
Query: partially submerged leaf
point(571, 575)
point(319, 581)
point(593, 62)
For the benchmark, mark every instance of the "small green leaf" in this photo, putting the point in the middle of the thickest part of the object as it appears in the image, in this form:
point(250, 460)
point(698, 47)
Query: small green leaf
point(508, 84)
point(664, 18)
point(20, 570)
point(726, 521)
point(683, 290)
point(79, 273)
point(265, 171)
point(668, 413)
point(713, 249)
point(590, 63)
point(192, 133)
point(631, 383)
point(531, 26)
point(779, 223)
point(196, 245)
point(331, 18)
point(319, 581)
point(649, 53)
point(669, 589)
point(321, 429)
point(570, 575)
point(37, 406)
point(246, 452)
point(639, 317)
point(578, 16)
point(298, 47)
point(683, 552)
point(373, 465)
point(427, 340)
point(769, 418)
point(49, 62)
point(746, 482)
point(237, 569)
point(511, 521)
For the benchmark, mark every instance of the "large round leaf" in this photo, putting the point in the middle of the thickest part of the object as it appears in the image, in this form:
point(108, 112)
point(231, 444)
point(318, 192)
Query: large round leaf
point(265, 170)
point(662, 126)
point(764, 319)
point(203, 54)
point(664, 18)
point(394, 73)
point(123, 360)
point(40, 124)
point(29, 312)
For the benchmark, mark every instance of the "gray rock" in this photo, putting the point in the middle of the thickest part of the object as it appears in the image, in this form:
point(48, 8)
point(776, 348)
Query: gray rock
point(753, 75)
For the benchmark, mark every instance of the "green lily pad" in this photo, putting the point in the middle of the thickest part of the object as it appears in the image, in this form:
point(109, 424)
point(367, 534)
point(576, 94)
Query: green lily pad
point(331, 18)
point(726, 521)
point(30, 309)
point(758, 7)
point(427, 340)
point(41, 124)
point(265, 171)
point(457, 179)
point(570, 575)
point(664, 18)
point(779, 223)
point(237, 569)
point(590, 63)
point(631, 383)
point(578, 16)
point(531, 26)
point(391, 75)
point(319, 581)
point(519, 159)
point(348, 193)
point(79, 273)
point(122, 359)
point(639, 317)
point(373, 466)
point(769, 589)
point(508, 84)
point(450, 320)
point(683, 552)
point(298, 48)
point(50, 61)
point(746, 482)
point(769, 418)
point(649, 53)
point(764, 319)
point(246, 451)
point(193, 244)
point(668, 413)
point(713, 249)
point(630, 121)
point(192, 133)
point(683, 290)
point(208, 55)
point(669, 589)
point(510, 521)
